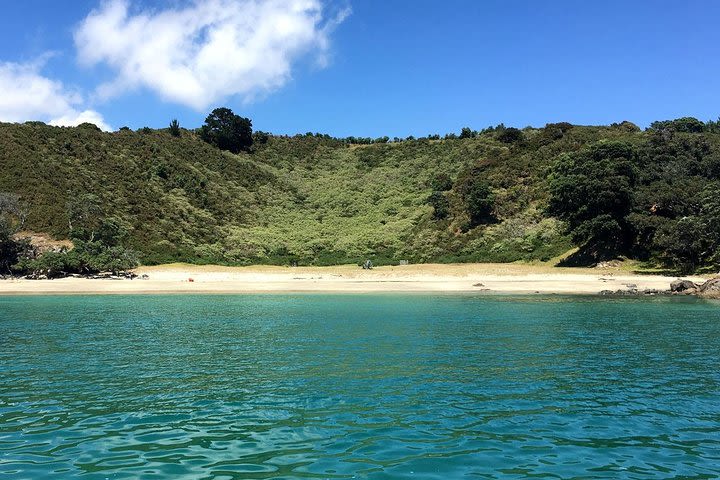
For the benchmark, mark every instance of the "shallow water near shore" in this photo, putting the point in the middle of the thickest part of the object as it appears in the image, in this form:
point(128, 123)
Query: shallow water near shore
point(365, 386)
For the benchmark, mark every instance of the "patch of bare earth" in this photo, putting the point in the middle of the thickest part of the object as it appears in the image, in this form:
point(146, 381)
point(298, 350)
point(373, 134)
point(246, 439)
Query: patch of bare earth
point(42, 242)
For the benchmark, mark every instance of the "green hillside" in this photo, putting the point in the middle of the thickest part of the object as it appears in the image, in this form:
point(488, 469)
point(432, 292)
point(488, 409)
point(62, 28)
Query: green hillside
point(498, 195)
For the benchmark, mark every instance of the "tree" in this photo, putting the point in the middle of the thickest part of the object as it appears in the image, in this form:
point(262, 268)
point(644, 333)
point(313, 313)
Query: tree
point(710, 214)
point(510, 135)
point(8, 248)
point(441, 182)
point(227, 131)
point(89, 126)
point(592, 190)
point(261, 137)
point(684, 243)
point(440, 204)
point(479, 201)
point(467, 133)
point(112, 231)
point(85, 215)
point(175, 128)
point(12, 211)
point(477, 196)
point(12, 219)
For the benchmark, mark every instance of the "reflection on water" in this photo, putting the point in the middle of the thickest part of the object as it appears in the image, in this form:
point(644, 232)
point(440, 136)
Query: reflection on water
point(369, 386)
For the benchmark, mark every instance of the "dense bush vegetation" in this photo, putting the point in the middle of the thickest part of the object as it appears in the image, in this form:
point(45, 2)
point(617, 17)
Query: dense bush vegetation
point(592, 191)
point(498, 194)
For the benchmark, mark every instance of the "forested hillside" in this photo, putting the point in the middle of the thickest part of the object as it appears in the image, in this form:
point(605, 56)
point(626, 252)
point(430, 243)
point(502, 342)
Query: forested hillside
point(501, 194)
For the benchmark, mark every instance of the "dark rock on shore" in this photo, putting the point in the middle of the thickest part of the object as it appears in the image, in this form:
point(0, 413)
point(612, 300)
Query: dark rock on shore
point(710, 289)
point(96, 276)
point(683, 286)
point(634, 292)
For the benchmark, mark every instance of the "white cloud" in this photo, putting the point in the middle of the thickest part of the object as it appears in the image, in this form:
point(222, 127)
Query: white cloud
point(74, 118)
point(206, 50)
point(28, 95)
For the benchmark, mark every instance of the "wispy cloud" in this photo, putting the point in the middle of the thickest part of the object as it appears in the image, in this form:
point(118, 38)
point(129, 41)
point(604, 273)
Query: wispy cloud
point(29, 95)
point(204, 51)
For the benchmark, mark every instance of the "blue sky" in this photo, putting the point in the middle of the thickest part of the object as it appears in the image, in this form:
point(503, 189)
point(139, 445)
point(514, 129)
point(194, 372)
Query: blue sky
point(365, 68)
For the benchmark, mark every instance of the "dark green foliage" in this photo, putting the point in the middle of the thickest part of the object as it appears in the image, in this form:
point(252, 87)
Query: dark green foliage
point(672, 206)
point(710, 217)
point(441, 182)
point(592, 191)
point(85, 215)
point(260, 138)
point(440, 204)
point(563, 127)
point(551, 133)
point(9, 248)
point(626, 126)
point(692, 239)
point(89, 126)
point(113, 232)
point(683, 243)
point(477, 197)
point(510, 135)
point(685, 125)
point(227, 131)
point(97, 245)
point(85, 258)
point(479, 200)
point(174, 128)
point(467, 133)
point(12, 218)
point(97, 256)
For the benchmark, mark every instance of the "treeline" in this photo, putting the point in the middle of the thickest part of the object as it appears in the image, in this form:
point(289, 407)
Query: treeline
point(226, 194)
point(228, 131)
point(97, 242)
point(508, 134)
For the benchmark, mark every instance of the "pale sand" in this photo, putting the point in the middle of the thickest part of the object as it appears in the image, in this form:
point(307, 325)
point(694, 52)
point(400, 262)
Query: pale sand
point(481, 278)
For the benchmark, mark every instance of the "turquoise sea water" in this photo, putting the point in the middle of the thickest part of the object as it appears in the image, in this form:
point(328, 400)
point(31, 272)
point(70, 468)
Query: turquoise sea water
point(368, 386)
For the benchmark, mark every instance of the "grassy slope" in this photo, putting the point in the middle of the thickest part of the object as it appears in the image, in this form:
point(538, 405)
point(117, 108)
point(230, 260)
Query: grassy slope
point(306, 199)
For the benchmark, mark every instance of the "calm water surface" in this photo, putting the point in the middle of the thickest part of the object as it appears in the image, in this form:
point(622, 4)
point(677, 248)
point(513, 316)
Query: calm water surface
point(371, 386)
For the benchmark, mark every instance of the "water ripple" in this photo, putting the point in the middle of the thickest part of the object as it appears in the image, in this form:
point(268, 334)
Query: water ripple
point(310, 386)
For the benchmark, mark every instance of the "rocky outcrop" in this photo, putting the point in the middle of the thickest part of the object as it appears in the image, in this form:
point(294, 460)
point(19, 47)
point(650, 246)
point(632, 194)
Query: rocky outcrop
point(710, 289)
point(683, 286)
point(634, 292)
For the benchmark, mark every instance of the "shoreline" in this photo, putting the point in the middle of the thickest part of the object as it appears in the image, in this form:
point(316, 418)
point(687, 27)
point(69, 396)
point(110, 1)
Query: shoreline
point(423, 278)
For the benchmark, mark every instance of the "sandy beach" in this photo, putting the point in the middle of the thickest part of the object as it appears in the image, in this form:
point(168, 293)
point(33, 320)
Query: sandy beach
point(487, 278)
